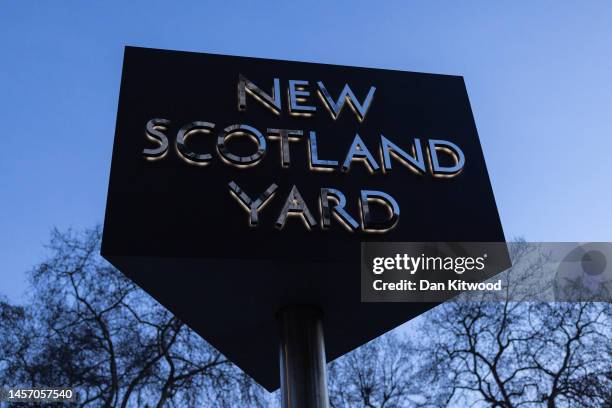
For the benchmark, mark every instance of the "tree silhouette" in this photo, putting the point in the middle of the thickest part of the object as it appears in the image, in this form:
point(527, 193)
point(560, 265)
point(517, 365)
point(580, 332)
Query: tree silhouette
point(506, 353)
point(379, 374)
point(86, 326)
point(90, 328)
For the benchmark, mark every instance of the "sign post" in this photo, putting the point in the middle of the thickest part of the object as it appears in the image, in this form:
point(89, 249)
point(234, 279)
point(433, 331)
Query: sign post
point(302, 358)
point(245, 187)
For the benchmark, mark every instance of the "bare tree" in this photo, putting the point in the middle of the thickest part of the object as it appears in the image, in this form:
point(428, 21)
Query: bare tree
point(380, 374)
point(89, 327)
point(506, 353)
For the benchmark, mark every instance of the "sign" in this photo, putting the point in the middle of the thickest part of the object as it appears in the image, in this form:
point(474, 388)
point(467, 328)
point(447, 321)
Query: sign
point(242, 185)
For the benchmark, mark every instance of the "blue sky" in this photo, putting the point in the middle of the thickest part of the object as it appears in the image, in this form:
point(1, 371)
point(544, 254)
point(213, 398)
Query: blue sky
point(538, 75)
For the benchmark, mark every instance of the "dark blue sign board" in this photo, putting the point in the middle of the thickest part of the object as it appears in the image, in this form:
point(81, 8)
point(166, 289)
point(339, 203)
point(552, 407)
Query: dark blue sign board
point(242, 185)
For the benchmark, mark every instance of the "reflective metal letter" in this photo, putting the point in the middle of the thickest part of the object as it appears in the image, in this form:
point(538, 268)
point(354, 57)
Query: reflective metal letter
point(450, 148)
point(369, 225)
point(389, 149)
point(359, 151)
point(295, 205)
point(335, 107)
point(153, 133)
point(181, 142)
point(241, 130)
point(338, 210)
point(252, 207)
point(285, 136)
point(313, 154)
point(271, 102)
point(297, 94)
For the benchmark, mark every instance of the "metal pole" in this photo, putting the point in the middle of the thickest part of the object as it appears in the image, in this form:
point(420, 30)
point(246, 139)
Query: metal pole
point(302, 358)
